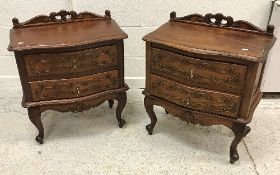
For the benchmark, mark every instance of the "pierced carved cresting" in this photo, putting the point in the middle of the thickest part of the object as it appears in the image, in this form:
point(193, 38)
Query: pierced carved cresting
point(75, 87)
point(194, 98)
point(220, 20)
point(61, 16)
point(71, 62)
point(201, 73)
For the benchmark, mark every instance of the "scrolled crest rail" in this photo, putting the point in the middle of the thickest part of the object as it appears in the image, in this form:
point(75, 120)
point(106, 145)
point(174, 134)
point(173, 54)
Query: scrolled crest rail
point(220, 20)
point(60, 17)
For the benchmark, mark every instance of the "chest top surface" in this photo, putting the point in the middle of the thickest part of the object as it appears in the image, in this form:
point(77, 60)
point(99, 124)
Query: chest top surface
point(63, 29)
point(214, 35)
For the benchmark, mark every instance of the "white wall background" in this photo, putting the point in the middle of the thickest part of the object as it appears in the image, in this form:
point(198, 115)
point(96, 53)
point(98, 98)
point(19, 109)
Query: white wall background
point(136, 17)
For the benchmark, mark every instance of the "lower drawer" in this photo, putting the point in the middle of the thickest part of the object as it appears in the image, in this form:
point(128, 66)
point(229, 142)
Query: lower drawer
point(74, 87)
point(195, 98)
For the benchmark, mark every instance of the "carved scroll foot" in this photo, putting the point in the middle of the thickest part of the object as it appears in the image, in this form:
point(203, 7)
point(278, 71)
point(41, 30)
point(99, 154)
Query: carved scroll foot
point(150, 129)
point(39, 139)
point(121, 123)
point(111, 103)
point(121, 98)
point(150, 110)
point(35, 118)
point(240, 131)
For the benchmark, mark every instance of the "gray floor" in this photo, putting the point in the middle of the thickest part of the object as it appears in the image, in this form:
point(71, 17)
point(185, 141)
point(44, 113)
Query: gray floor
point(91, 143)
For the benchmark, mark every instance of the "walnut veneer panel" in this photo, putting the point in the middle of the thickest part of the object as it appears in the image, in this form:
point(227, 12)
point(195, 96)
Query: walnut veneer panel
point(74, 87)
point(71, 62)
point(201, 73)
point(195, 98)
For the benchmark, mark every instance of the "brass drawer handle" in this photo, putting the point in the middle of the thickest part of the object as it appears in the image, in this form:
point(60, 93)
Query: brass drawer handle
point(187, 101)
point(74, 64)
point(78, 90)
point(192, 72)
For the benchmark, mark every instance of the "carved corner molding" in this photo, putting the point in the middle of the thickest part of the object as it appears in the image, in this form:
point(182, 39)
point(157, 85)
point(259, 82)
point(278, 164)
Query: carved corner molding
point(59, 17)
point(219, 20)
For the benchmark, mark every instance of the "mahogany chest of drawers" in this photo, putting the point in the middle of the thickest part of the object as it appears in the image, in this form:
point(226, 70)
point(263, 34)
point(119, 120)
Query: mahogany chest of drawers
point(207, 70)
point(69, 62)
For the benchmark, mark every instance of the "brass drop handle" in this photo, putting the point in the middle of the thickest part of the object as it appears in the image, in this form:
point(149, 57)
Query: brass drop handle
point(192, 72)
point(187, 102)
point(74, 64)
point(78, 90)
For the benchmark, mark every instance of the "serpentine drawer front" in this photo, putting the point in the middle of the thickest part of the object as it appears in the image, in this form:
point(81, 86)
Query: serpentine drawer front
point(206, 70)
point(69, 62)
point(74, 87)
point(195, 98)
point(201, 73)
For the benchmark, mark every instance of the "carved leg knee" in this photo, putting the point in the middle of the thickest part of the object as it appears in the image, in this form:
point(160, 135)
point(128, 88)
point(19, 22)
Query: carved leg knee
point(111, 103)
point(240, 131)
point(152, 115)
point(35, 117)
point(121, 98)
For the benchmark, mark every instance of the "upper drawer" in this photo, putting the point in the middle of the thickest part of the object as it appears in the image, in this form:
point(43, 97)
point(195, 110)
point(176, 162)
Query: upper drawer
point(195, 98)
point(71, 62)
point(198, 72)
point(74, 87)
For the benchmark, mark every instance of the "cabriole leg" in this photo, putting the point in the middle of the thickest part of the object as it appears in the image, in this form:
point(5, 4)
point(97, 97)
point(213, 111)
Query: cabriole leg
point(150, 110)
point(121, 98)
point(240, 131)
point(35, 118)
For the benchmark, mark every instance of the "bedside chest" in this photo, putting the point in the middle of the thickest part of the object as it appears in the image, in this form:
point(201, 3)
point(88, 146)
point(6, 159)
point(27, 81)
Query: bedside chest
point(69, 62)
point(207, 70)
